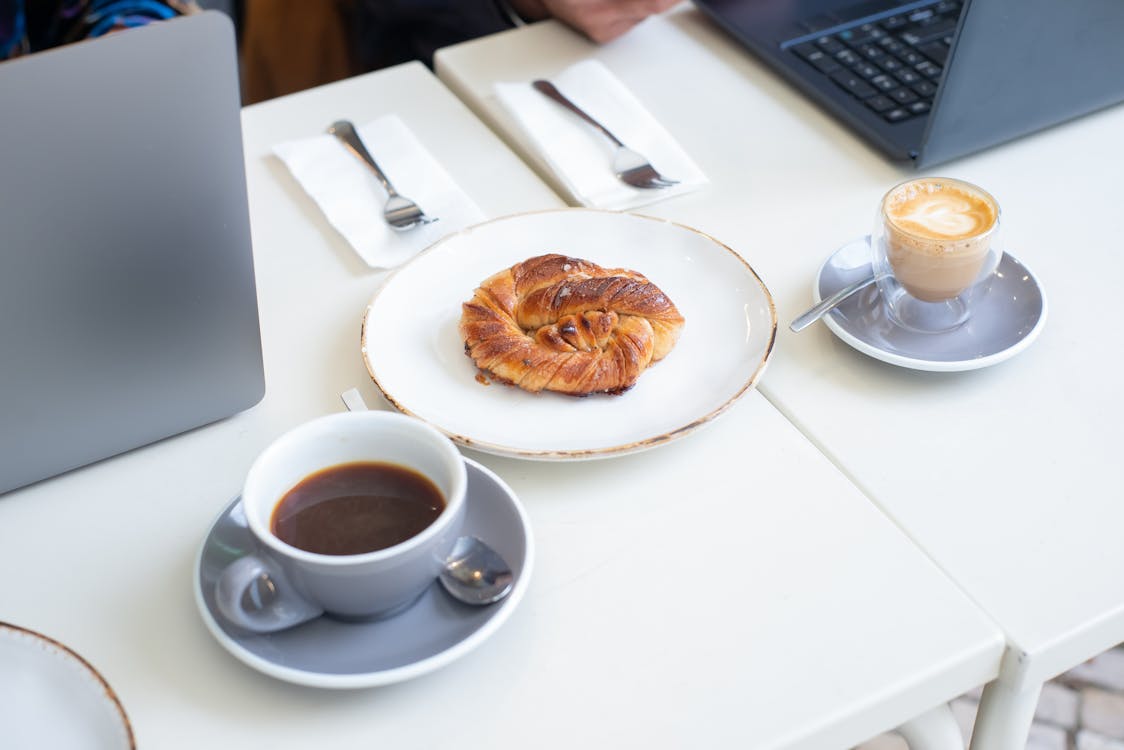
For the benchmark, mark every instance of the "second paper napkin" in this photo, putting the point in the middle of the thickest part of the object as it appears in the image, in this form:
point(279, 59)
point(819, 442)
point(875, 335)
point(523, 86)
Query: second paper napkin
point(580, 157)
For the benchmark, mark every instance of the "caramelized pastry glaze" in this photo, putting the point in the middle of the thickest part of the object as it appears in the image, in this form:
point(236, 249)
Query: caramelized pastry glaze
point(564, 324)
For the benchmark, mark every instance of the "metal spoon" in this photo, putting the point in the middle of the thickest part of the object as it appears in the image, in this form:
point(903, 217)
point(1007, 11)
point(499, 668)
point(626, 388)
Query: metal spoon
point(474, 573)
point(823, 308)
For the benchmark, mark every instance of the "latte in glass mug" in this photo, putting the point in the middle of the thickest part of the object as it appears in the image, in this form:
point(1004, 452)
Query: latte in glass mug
point(938, 233)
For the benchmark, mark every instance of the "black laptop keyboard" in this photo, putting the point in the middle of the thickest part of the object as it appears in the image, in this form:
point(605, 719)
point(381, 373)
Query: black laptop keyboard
point(892, 64)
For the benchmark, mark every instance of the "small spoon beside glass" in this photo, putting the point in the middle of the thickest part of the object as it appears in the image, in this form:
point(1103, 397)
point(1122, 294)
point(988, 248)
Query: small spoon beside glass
point(827, 305)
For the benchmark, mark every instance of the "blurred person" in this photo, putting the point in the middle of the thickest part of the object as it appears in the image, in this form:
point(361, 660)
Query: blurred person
point(600, 20)
point(289, 45)
point(394, 31)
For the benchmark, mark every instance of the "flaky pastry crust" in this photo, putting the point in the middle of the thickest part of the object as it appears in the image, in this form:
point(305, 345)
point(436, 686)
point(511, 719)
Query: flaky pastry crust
point(565, 324)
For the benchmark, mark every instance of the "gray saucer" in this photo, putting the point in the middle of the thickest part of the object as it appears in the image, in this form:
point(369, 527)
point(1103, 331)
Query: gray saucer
point(433, 632)
point(1005, 319)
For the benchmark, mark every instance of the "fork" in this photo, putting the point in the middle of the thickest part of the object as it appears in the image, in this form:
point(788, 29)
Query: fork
point(400, 212)
point(630, 167)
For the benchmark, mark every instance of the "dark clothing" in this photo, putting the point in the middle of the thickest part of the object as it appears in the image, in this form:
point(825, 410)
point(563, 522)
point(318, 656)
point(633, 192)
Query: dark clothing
point(388, 32)
point(290, 45)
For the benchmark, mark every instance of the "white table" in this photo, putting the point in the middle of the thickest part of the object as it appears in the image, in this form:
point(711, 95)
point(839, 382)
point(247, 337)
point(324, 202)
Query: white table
point(1008, 477)
point(771, 606)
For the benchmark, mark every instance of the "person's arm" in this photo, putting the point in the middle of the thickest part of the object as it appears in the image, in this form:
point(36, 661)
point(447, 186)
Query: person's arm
point(600, 20)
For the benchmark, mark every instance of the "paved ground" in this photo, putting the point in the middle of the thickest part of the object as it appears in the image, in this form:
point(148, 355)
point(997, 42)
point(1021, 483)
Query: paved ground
point(1082, 709)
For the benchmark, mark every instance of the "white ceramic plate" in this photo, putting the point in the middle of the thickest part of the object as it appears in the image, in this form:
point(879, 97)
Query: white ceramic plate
point(415, 354)
point(50, 697)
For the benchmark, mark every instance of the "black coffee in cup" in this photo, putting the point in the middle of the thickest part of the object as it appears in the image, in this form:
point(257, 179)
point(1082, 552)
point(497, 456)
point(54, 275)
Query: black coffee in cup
point(355, 508)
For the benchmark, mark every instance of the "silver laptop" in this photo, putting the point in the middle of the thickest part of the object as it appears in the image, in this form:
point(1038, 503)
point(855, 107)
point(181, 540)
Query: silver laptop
point(128, 310)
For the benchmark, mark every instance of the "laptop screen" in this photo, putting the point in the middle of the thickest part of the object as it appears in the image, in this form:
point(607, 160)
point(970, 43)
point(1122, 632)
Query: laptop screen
point(128, 309)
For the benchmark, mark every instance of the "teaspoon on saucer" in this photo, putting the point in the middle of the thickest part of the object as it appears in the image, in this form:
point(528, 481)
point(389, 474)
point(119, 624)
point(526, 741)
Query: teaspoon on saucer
point(827, 305)
point(474, 573)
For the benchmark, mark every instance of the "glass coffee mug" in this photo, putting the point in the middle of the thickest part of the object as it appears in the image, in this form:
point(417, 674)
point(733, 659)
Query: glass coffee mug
point(935, 251)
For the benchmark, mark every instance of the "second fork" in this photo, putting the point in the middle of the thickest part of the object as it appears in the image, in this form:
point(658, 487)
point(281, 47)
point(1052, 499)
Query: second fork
point(629, 166)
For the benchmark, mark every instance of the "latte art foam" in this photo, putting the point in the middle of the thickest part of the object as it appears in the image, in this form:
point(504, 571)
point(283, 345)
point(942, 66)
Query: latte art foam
point(940, 210)
point(936, 237)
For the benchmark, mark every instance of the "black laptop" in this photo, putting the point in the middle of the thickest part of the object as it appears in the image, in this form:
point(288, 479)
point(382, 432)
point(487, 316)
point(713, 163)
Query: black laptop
point(927, 81)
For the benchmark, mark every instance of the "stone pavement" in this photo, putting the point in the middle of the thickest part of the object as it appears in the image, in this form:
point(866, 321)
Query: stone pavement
point(1082, 709)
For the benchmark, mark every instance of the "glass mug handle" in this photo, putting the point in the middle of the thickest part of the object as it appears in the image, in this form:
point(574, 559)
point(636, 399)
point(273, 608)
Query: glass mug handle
point(253, 593)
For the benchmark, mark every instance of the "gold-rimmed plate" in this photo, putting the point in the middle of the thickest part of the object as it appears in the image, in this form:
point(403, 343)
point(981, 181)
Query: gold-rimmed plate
point(415, 355)
point(50, 697)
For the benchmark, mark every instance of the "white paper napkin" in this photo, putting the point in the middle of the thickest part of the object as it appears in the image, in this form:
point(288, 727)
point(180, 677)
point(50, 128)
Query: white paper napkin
point(352, 198)
point(580, 157)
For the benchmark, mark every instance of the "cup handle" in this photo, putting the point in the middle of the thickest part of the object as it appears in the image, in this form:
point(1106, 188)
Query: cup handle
point(254, 594)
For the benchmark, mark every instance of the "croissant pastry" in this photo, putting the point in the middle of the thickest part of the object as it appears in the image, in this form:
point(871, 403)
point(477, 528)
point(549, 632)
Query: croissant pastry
point(568, 325)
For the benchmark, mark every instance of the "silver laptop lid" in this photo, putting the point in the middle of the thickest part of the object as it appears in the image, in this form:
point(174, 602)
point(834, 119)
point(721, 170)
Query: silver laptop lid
point(128, 310)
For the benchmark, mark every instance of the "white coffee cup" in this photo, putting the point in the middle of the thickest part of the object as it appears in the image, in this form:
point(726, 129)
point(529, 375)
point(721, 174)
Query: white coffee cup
point(280, 585)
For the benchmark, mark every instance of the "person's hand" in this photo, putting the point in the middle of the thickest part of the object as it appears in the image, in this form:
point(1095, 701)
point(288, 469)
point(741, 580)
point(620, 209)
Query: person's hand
point(600, 20)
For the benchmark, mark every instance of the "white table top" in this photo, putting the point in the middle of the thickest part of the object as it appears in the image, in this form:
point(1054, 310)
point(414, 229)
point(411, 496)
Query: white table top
point(730, 589)
point(1008, 476)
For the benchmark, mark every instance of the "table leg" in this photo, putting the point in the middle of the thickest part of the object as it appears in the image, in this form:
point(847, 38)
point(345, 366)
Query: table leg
point(933, 730)
point(1006, 712)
